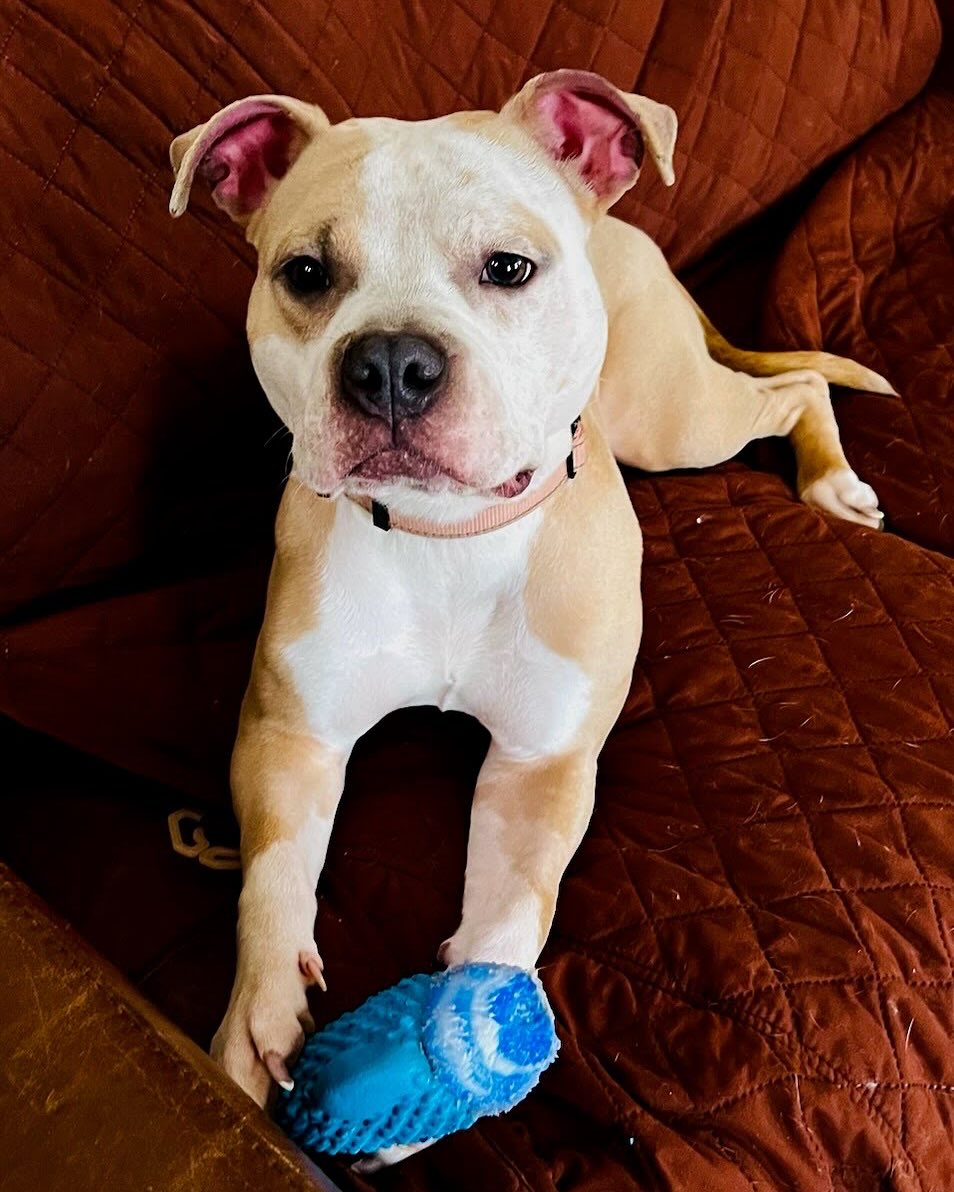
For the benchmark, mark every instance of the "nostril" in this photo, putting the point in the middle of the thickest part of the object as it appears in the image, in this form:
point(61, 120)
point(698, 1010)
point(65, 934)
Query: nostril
point(418, 367)
point(422, 374)
point(364, 369)
point(367, 377)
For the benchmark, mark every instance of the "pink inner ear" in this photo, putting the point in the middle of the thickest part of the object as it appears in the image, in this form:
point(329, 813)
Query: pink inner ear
point(244, 160)
point(603, 139)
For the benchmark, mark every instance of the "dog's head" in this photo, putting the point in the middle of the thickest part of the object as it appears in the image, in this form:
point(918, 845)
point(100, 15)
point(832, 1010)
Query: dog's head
point(425, 317)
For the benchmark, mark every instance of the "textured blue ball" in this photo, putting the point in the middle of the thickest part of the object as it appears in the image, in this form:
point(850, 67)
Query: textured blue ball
point(427, 1057)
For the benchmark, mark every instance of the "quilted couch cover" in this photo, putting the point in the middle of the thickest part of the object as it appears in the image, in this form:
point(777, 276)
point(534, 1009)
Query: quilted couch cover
point(752, 965)
point(868, 272)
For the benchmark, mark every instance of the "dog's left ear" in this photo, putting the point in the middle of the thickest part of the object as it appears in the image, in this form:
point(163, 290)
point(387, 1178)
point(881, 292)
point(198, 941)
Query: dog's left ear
point(598, 131)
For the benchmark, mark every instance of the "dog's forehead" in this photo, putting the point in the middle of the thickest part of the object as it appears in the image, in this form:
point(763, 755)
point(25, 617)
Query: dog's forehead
point(468, 160)
point(451, 178)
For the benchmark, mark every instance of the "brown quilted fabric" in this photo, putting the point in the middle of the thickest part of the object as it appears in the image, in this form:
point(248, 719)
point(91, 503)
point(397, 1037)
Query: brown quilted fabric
point(132, 436)
point(869, 272)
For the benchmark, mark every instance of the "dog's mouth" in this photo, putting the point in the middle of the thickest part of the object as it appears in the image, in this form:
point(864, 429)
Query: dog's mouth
point(515, 485)
point(421, 471)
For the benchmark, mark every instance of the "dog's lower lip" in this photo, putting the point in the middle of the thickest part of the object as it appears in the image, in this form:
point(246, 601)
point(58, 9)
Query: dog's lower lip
point(398, 462)
point(395, 462)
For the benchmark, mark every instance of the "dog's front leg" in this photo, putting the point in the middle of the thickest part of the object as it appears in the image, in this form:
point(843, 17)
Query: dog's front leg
point(527, 821)
point(286, 788)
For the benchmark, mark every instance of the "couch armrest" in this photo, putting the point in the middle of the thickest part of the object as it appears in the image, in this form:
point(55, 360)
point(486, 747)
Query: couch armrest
point(98, 1090)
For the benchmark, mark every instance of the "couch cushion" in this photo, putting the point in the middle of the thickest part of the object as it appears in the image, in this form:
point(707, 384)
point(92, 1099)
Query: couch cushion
point(94, 841)
point(132, 440)
point(149, 680)
point(869, 272)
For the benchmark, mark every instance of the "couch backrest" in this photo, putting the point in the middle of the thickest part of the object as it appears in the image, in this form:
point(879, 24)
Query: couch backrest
point(131, 430)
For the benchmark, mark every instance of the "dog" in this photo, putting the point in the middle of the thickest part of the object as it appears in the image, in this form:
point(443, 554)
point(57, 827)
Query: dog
point(463, 343)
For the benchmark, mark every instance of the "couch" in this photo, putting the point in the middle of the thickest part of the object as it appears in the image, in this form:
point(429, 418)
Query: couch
point(752, 963)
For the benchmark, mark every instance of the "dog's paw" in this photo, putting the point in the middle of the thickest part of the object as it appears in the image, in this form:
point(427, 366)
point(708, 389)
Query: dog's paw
point(265, 1026)
point(842, 493)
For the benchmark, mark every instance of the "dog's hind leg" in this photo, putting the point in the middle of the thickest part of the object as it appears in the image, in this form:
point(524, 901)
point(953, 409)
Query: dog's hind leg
point(796, 404)
point(825, 478)
point(674, 393)
point(714, 412)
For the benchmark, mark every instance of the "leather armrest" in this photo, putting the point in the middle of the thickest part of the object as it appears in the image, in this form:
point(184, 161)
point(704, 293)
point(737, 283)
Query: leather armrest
point(98, 1090)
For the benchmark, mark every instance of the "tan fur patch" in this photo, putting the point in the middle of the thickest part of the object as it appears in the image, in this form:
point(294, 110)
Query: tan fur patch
point(544, 808)
point(582, 600)
point(274, 751)
point(473, 121)
point(575, 592)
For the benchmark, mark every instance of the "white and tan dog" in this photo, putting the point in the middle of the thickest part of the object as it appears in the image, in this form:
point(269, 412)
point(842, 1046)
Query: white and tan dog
point(436, 305)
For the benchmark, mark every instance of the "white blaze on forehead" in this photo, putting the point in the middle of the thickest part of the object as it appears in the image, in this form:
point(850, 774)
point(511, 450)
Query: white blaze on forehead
point(432, 187)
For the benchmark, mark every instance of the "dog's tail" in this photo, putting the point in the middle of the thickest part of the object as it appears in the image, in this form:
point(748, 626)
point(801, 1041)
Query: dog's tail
point(837, 369)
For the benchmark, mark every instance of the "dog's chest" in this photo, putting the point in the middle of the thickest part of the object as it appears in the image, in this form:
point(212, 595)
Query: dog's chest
point(402, 621)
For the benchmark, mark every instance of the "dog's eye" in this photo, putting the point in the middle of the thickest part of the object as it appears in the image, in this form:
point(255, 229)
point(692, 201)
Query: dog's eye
point(305, 275)
point(507, 269)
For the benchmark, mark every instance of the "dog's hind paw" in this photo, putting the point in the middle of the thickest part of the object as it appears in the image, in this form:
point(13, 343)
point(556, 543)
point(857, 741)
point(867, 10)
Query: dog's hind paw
point(842, 493)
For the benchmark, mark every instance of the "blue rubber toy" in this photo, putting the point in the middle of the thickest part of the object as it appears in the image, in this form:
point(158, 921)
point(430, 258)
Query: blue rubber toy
point(427, 1057)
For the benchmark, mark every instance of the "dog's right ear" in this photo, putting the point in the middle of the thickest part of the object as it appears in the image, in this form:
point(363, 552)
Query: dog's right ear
point(243, 151)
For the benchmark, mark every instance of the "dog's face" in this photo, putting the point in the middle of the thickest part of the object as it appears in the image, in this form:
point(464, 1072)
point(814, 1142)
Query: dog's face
point(425, 316)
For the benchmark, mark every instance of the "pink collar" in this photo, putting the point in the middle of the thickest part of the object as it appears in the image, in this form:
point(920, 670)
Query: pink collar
point(488, 519)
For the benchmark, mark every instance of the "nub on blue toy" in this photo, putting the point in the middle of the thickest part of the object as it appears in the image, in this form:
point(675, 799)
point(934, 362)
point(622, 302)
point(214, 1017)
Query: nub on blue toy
point(427, 1057)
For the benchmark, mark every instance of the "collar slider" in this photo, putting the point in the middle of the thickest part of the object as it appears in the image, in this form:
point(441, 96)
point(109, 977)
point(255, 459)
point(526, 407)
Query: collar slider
point(380, 515)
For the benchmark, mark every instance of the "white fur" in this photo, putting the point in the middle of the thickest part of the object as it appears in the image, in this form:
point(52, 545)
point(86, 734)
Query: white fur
point(843, 493)
point(404, 620)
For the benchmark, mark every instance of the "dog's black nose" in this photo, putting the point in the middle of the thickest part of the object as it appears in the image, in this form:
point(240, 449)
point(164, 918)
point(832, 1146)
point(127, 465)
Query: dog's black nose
point(392, 376)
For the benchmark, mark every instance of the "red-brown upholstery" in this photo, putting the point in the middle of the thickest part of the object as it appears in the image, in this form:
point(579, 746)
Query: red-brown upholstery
point(868, 273)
